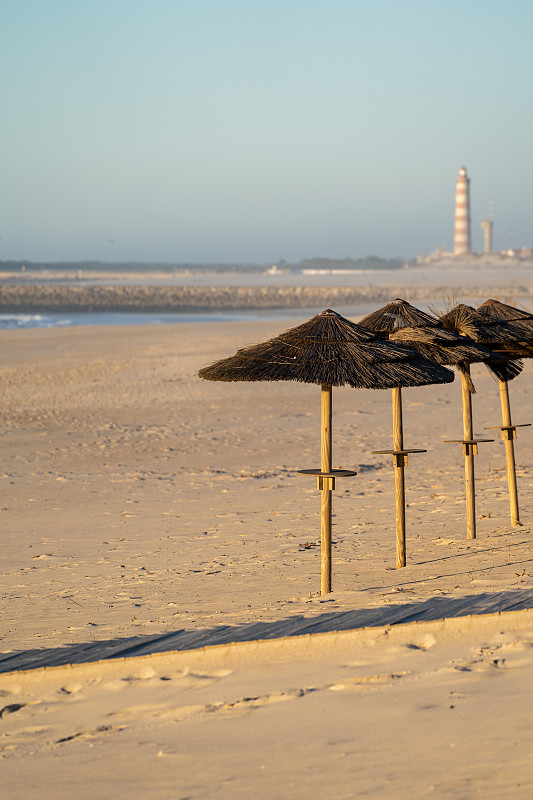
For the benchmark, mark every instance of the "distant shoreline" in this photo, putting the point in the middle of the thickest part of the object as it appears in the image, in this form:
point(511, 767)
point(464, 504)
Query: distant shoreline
point(368, 263)
point(444, 261)
point(67, 298)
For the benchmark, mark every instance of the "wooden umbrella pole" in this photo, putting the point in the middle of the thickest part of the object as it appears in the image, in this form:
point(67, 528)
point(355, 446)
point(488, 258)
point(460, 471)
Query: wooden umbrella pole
point(509, 452)
point(325, 510)
point(468, 431)
point(399, 476)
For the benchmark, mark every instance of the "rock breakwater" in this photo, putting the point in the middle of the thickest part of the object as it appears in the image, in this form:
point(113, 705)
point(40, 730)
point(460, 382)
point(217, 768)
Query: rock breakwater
point(61, 298)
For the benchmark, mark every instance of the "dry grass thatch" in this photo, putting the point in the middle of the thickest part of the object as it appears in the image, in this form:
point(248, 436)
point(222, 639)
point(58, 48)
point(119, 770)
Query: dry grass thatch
point(396, 315)
point(329, 349)
point(443, 346)
point(503, 312)
point(482, 327)
point(503, 338)
point(426, 334)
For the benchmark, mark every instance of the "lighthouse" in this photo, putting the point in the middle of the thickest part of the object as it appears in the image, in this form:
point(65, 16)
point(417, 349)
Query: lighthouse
point(461, 239)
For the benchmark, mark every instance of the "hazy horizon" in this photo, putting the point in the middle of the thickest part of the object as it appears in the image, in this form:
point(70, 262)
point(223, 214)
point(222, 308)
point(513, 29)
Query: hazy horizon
point(246, 132)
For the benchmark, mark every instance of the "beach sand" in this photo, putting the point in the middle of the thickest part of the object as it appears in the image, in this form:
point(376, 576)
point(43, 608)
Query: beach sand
point(138, 499)
point(436, 709)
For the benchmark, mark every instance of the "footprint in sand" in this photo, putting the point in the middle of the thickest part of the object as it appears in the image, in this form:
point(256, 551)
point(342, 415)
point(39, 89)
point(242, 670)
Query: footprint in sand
point(368, 681)
point(92, 734)
point(489, 660)
point(11, 708)
point(186, 678)
point(22, 735)
point(238, 707)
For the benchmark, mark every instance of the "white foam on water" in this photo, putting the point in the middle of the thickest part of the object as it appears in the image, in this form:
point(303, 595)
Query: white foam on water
point(19, 321)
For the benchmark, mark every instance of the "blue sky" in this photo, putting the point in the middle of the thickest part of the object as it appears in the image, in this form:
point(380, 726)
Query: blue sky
point(250, 131)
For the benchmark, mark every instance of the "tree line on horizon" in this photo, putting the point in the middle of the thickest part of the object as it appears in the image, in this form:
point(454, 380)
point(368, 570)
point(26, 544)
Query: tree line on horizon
point(318, 262)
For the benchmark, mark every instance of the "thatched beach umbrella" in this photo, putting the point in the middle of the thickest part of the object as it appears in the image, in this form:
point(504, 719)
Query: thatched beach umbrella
point(516, 324)
point(482, 327)
point(395, 315)
point(328, 350)
point(505, 313)
point(501, 312)
point(468, 322)
point(402, 322)
point(399, 321)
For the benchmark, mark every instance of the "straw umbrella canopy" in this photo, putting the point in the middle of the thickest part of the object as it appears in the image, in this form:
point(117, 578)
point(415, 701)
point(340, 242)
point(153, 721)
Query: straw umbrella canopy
point(397, 314)
point(501, 312)
point(522, 322)
point(402, 322)
point(489, 331)
point(329, 350)
point(483, 328)
point(505, 313)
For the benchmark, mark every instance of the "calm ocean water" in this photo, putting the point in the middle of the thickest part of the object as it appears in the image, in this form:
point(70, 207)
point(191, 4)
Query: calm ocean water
point(22, 321)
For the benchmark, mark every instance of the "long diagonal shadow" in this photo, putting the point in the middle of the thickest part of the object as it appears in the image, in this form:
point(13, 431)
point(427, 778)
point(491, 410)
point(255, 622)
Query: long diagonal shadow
point(415, 581)
point(478, 552)
point(433, 609)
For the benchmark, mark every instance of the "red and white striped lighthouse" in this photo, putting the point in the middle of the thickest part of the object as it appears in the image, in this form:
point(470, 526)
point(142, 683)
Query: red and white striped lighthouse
point(461, 239)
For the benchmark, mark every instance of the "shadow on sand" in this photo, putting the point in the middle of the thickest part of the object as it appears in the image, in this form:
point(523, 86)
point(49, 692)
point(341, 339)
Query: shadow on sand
point(433, 609)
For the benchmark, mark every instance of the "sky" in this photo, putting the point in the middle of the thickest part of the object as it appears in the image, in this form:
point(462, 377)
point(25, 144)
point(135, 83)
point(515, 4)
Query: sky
point(250, 131)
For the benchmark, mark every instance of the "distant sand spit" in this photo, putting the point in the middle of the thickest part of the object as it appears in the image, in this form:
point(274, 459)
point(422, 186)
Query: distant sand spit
point(65, 298)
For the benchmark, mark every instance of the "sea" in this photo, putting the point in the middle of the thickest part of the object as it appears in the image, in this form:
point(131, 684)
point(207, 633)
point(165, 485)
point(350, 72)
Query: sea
point(514, 280)
point(21, 321)
point(295, 315)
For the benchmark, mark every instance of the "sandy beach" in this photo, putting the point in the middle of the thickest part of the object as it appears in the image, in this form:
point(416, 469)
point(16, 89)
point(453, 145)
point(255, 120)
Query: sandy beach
point(416, 711)
point(138, 499)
